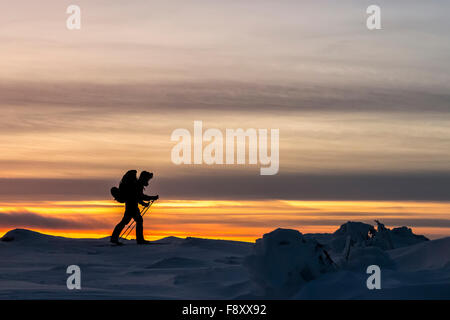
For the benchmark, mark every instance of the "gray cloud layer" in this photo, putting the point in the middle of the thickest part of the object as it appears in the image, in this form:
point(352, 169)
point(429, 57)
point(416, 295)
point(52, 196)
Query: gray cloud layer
point(408, 186)
point(34, 220)
point(221, 95)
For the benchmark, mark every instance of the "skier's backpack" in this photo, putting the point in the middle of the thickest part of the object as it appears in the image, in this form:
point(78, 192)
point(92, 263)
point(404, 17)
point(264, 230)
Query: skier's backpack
point(115, 192)
point(121, 193)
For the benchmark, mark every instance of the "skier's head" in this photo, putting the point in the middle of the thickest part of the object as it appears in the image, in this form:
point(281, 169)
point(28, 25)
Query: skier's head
point(145, 177)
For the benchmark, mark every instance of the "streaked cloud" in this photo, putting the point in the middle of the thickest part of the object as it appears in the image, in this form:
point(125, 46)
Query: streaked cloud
point(363, 186)
point(98, 99)
point(15, 219)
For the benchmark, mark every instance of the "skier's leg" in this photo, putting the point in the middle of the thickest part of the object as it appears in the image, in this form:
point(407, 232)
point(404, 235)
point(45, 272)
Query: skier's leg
point(119, 227)
point(139, 229)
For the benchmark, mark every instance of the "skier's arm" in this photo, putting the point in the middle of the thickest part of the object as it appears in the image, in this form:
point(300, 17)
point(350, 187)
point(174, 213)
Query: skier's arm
point(148, 198)
point(143, 203)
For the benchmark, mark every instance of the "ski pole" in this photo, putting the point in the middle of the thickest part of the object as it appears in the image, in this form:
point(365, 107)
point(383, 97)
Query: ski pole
point(132, 224)
point(128, 227)
point(144, 211)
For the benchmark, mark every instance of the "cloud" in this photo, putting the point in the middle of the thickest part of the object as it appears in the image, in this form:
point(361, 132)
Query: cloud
point(385, 186)
point(101, 98)
point(27, 219)
point(326, 219)
point(44, 189)
point(247, 186)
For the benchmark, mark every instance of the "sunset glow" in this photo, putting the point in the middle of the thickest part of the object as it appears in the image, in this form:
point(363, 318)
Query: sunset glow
point(236, 220)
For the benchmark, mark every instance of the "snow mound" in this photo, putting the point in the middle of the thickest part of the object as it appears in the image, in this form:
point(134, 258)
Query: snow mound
point(24, 235)
point(283, 260)
point(212, 244)
point(360, 234)
point(428, 255)
point(421, 272)
point(171, 240)
point(362, 257)
point(403, 237)
point(177, 262)
point(357, 232)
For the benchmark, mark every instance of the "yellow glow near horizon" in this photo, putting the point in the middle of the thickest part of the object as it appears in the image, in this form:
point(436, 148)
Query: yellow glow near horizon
point(234, 220)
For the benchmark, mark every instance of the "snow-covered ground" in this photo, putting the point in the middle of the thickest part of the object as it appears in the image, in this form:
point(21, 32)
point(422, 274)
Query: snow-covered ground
point(283, 264)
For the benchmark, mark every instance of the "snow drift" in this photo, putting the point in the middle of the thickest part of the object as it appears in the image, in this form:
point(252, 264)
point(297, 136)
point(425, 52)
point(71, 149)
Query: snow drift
point(282, 264)
point(283, 260)
point(363, 234)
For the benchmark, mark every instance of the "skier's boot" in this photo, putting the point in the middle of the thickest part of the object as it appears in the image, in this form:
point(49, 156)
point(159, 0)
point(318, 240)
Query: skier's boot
point(143, 242)
point(116, 242)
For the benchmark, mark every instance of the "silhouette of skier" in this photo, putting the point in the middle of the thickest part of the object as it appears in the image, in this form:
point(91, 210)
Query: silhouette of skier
point(132, 193)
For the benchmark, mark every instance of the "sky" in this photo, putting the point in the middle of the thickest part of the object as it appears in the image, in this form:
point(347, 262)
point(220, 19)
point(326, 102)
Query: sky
point(364, 116)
